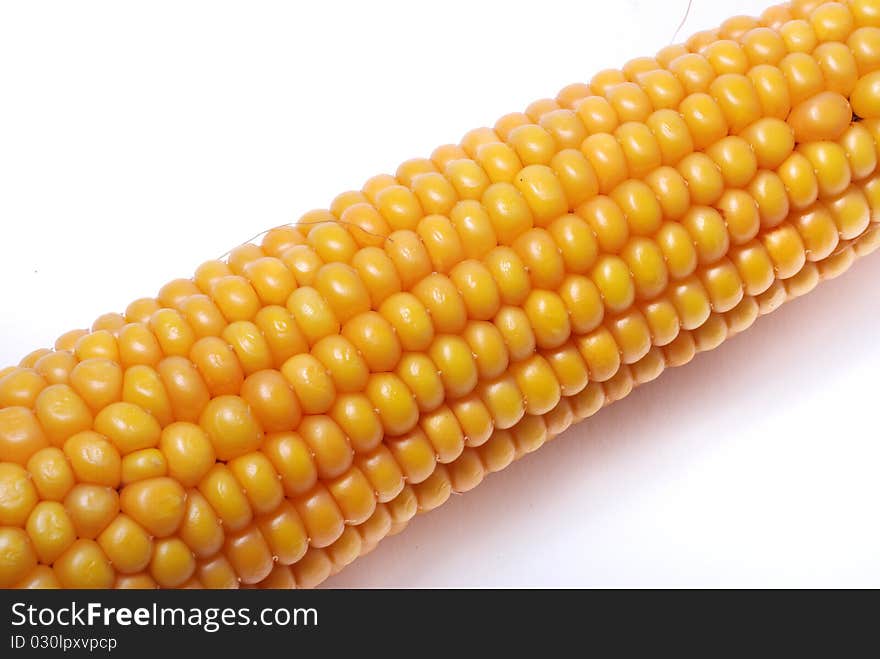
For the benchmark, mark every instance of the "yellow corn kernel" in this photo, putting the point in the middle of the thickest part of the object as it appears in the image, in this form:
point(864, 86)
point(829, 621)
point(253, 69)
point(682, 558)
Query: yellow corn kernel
point(415, 455)
point(84, 565)
point(862, 44)
point(355, 416)
point(285, 534)
point(201, 527)
point(818, 231)
point(96, 345)
point(292, 459)
point(330, 448)
point(632, 335)
point(249, 346)
point(487, 347)
point(50, 473)
point(128, 426)
point(270, 278)
point(171, 563)
point(477, 289)
point(55, 367)
point(467, 177)
point(472, 223)
point(576, 174)
point(786, 250)
point(354, 496)
point(98, 382)
point(127, 544)
point(442, 302)
point(498, 452)
point(607, 222)
point(455, 366)
point(94, 459)
point(541, 258)
point(640, 148)
point(474, 418)
point(259, 481)
point(601, 354)
point(606, 157)
point(238, 258)
point(41, 577)
point(61, 413)
point(216, 572)
point(138, 345)
point(542, 191)
point(383, 472)
point(569, 368)
point(21, 436)
point(17, 495)
point(548, 317)
point(704, 119)
point(393, 402)
point(249, 555)
point(576, 243)
point(503, 400)
point(91, 508)
point(672, 135)
point(662, 321)
point(741, 215)
point(769, 192)
point(509, 273)
point(20, 387)
point(736, 160)
point(173, 333)
point(230, 426)
point(50, 530)
point(157, 504)
point(851, 213)
point(301, 260)
point(538, 384)
point(344, 363)
point(639, 205)
point(321, 516)
point(830, 166)
point(272, 401)
point(703, 178)
point(216, 362)
point(708, 232)
point(612, 277)
point(225, 496)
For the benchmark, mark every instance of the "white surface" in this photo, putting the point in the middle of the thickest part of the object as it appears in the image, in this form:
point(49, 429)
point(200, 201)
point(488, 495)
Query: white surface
point(138, 140)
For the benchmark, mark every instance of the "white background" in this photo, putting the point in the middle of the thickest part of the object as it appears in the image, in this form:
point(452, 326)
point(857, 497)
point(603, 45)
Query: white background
point(138, 139)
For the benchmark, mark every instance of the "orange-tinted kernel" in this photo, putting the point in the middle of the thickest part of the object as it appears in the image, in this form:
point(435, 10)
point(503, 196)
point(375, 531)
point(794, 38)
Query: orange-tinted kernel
point(91, 508)
point(188, 452)
point(84, 565)
point(230, 426)
point(61, 413)
point(218, 365)
point(20, 434)
point(143, 464)
point(50, 473)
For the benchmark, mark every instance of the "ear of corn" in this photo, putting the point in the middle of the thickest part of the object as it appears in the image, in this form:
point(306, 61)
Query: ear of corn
point(272, 418)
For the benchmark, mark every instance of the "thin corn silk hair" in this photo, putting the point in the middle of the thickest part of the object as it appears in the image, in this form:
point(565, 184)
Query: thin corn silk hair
point(260, 234)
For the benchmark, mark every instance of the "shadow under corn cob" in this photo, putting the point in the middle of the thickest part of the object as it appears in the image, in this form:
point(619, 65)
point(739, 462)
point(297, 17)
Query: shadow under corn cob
point(274, 417)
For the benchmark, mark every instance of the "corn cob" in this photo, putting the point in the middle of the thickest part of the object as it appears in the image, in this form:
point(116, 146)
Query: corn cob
point(272, 418)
